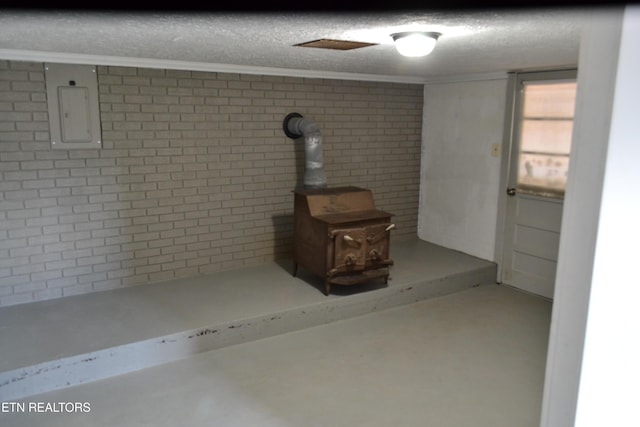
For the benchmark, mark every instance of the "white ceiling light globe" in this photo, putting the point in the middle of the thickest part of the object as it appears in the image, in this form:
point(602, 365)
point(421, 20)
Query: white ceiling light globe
point(415, 43)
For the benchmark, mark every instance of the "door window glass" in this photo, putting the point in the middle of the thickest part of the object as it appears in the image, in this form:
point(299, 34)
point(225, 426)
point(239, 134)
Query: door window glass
point(545, 137)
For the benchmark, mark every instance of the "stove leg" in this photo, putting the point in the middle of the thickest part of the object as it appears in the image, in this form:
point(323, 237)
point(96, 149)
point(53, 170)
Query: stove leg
point(327, 287)
point(295, 268)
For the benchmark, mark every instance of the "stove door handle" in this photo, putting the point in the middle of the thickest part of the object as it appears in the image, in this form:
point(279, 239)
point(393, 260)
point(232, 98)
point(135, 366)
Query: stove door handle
point(350, 239)
point(379, 236)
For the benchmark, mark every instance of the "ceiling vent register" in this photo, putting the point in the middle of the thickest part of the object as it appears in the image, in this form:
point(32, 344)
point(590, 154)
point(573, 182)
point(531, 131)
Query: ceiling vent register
point(335, 44)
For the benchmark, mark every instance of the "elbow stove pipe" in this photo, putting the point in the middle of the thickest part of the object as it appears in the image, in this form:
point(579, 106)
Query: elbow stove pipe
point(295, 126)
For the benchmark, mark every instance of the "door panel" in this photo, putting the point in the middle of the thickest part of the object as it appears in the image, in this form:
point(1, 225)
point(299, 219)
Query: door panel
point(543, 268)
point(535, 283)
point(539, 212)
point(537, 242)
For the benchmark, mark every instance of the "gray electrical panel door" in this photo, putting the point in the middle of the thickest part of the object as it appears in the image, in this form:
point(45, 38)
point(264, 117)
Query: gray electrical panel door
point(72, 97)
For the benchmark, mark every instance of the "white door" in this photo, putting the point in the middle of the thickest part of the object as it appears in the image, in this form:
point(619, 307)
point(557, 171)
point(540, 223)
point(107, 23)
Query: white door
point(540, 144)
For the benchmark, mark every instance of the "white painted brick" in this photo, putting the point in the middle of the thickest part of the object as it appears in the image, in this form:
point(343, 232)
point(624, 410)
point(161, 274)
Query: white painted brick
point(117, 222)
point(95, 207)
point(107, 249)
point(75, 253)
point(89, 243)
point(54, 192)
point(62, 283)
point(108, 232)
point(99, 216)
point(144, 270)
point(109, 265)
point(118, 206)
point(72, 219)
point(7, 205)
point(162, 276)
point(107, 285)
point(58, 247)
point(84, 288)
point(134, 280)
point(53, 173)
point(101, 198)
point(20, 195)
point(154, 244)
point(46, 257)
point(26, 251)
point(40, 203)
point(17, 279)
point(43, 240)
point(46, 294)
point(60, 265)
point(74, 236)
point(72, 200)
point(17, 298)
point(46, 275)
point(76, 271)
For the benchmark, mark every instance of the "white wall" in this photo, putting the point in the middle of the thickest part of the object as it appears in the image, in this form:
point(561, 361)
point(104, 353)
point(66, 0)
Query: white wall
point(612, 347)
point(459, 183)
point(600, 221)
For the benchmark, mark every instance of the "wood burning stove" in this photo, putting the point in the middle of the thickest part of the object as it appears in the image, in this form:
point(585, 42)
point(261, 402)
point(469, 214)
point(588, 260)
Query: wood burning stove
point(339, 235)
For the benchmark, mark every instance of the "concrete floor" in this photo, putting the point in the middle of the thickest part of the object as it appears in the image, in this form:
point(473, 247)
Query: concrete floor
point(59, 343)
point(472, 358)
point(92, 322)
point(439, 345)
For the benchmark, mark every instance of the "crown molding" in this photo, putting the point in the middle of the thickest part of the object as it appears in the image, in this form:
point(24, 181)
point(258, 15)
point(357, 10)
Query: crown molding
point(119, 61)
point(501, 75)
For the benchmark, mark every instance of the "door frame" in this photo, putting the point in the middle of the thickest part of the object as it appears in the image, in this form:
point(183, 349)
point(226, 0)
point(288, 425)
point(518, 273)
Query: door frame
point(509, 138)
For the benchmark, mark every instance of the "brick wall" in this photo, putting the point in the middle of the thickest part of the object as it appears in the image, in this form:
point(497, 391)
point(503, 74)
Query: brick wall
point(195, 174)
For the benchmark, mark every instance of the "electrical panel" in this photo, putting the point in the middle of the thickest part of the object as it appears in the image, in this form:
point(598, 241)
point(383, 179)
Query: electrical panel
point(72, 97)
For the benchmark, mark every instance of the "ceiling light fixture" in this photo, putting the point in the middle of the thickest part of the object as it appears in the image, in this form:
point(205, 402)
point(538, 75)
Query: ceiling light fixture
point(415, 43)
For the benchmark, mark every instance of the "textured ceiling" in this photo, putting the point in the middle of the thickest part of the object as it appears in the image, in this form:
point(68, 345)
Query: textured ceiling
point(472, 41)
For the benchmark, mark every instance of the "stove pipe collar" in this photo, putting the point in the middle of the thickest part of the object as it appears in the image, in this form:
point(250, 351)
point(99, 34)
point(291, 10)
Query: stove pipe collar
point(296, 126)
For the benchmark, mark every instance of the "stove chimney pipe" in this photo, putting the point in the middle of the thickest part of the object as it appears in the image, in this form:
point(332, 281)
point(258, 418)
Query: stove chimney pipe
point(295, 126)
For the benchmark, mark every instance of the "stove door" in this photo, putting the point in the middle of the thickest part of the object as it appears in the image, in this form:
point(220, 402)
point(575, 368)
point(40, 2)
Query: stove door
point(350, 250)
point(378, 244)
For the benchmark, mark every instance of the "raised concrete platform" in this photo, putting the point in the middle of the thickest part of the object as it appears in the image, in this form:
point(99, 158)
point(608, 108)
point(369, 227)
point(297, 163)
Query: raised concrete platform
point(55, 344)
